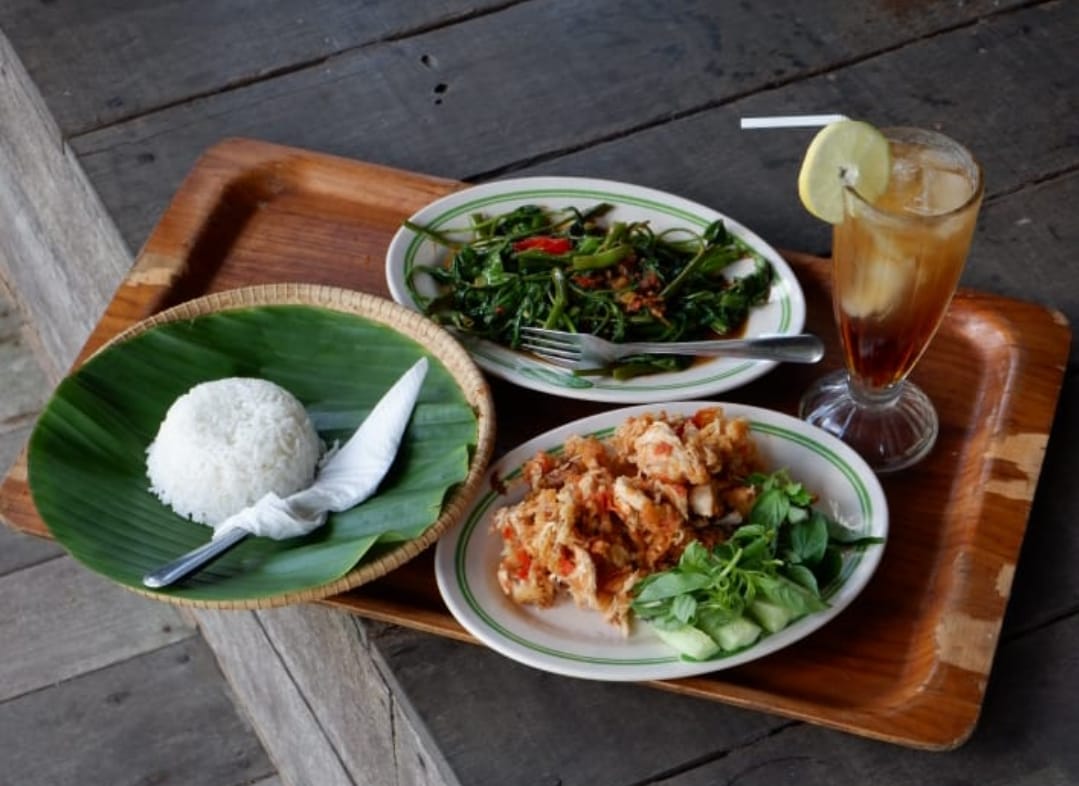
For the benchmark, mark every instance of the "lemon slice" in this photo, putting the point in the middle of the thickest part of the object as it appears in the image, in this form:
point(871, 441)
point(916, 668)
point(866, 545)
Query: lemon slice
point(848, 153)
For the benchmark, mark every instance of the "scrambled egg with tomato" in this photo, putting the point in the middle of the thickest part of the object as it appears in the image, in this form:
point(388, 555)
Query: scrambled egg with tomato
point(604, 514)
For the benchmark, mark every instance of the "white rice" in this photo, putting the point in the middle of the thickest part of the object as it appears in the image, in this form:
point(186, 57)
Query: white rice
point(225, 444)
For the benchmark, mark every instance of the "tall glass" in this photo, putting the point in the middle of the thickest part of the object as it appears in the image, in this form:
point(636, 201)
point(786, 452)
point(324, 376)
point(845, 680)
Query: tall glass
point(896, 264)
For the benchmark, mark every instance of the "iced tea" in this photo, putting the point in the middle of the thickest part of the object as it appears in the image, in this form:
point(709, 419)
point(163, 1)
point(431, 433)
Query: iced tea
point(897, 261)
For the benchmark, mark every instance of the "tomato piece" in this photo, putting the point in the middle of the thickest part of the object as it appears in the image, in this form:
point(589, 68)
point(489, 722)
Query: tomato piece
point(565, 566)
point(524, 560)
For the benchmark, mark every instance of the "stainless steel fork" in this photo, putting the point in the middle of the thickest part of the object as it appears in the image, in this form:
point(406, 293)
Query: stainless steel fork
point(582, 350)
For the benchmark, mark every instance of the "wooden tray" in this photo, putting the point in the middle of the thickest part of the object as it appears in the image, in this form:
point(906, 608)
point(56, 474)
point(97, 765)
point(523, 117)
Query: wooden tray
point(907, 663)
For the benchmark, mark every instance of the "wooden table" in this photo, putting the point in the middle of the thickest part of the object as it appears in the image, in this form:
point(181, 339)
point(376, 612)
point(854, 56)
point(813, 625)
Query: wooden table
point(641, 91)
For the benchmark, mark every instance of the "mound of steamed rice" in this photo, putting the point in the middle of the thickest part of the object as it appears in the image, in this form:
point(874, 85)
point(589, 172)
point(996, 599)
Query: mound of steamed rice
point(225, 444)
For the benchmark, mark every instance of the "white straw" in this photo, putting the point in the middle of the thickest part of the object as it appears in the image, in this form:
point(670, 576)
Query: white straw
point(790, 121)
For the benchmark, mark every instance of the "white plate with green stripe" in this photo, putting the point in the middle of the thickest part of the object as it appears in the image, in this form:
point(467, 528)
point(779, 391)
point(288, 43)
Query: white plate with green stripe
point(574, 642)
point(783, 313)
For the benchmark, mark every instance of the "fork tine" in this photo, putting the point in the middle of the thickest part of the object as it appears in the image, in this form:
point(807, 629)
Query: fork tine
point(554, 336)
point(564, 362)
point(551, 351)
point(550, 343)
point(538, 331)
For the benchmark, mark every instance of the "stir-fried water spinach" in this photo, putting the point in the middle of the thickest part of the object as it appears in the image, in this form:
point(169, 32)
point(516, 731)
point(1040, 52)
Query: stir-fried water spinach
point(571, 270)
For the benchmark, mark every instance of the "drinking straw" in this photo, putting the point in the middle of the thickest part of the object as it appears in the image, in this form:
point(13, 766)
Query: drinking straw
point(790, 121)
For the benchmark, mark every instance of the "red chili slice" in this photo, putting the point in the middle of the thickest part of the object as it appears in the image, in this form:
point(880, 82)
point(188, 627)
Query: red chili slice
point(544, 243)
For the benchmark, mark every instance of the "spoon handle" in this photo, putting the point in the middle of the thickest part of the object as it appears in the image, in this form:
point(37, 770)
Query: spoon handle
point(193, 560)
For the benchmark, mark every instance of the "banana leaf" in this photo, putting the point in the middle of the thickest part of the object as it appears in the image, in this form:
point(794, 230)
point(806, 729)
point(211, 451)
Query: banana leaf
point(87, 455)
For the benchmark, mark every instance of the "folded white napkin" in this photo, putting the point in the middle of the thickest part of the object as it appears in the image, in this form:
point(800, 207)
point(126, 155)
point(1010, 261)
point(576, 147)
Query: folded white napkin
point(347, 476)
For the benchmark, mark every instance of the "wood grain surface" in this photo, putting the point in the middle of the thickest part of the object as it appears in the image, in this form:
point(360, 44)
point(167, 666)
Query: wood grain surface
point(655, 125)
point(162, 714)
point(164, 49)
point(907, 663)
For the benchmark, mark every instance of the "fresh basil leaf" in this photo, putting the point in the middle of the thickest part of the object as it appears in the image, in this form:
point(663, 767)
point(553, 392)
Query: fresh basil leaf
point(748, 532)
point(770, 509)
point(671, 584)
point(809, 538)
point(803, 576)
point(695, 557)
point(758, 479)
point(862, 542)
point(756, 552)
point(830, 566)
point(847, 536)
point(852, 540)
point(790, 595)
point(798, 495)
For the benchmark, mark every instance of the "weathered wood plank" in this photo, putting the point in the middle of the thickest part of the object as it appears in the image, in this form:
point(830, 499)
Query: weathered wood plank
point(499, 722)
point(57, 255)
point(1025, 736)
point(23, 390)
point(1026, 245)
point(22, 381)
point(416, 755)
point(12, 440)
point(58, 620)
point(329, 698)
point(55, 242)
point(21, 551)
point(283, 717)
point(162, 718)
point(537, 79)
point(354, 704)
point(145, 55)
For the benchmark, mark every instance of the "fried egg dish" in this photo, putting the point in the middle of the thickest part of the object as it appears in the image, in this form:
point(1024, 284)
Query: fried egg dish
point(603, 513)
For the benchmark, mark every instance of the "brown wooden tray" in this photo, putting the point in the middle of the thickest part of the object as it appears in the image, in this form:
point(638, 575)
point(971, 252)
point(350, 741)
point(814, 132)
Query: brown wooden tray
point(908, 662)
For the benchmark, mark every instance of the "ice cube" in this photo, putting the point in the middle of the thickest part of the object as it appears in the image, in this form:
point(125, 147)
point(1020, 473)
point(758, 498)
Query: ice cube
point(880, 280)
point(946, 190)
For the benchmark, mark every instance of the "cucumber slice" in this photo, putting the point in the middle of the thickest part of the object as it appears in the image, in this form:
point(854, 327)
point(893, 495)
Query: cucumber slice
point(689, 641)
point(771, 615)
point(737, 634)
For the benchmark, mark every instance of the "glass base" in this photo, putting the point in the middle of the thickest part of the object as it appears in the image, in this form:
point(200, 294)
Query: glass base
point(890, 433)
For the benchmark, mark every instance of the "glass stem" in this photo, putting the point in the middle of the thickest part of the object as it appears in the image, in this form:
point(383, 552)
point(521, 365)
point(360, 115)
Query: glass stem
point(874, 398)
